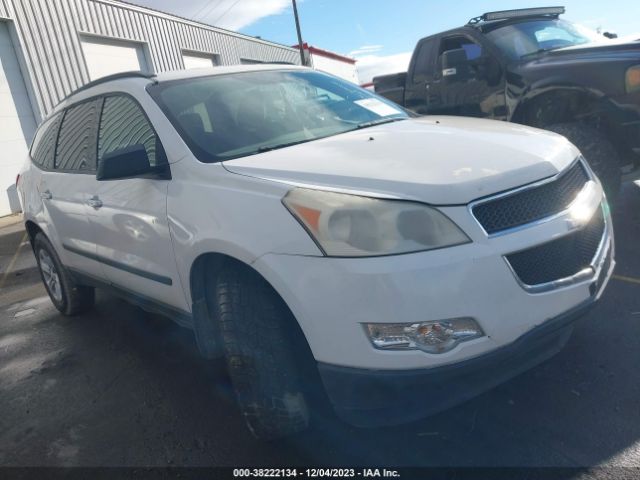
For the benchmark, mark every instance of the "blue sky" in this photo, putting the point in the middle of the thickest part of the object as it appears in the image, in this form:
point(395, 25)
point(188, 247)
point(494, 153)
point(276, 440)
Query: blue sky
point(344, 26)
point(379, 33)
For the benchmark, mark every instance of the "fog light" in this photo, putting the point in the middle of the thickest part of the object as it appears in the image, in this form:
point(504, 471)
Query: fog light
point(436, 336)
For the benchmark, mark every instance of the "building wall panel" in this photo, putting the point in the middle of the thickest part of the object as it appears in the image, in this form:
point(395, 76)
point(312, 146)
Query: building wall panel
point(4, 9)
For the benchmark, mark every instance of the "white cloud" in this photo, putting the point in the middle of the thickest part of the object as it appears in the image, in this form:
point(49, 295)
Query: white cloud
point(630, 38)
point(365, 50)
point(371, 65)
point(230, 14)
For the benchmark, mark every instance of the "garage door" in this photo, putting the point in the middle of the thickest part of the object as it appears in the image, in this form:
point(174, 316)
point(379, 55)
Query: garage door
point(16, 120)
point(105, 56)
point(198, 60)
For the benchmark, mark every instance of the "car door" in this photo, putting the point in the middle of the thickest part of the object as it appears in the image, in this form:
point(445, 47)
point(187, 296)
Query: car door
point(129, 215)
point(478, 92)
point(64, 188)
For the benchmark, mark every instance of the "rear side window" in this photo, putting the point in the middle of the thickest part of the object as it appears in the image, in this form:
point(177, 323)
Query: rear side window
point(44, 143)
point(77, 140)
point(123, 124)
point(425, 60)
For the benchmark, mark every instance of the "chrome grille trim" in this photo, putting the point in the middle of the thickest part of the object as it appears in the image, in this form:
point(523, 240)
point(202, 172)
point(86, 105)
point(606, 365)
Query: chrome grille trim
point(589, 273)
point(580, 159)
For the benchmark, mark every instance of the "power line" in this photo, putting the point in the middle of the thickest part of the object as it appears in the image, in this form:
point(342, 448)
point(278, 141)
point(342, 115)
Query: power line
point(207, 9)
point(226, 11)
point(205, 4)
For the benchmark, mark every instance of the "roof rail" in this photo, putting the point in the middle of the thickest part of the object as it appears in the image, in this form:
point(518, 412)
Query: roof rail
point(553, 12)
point(108, 78)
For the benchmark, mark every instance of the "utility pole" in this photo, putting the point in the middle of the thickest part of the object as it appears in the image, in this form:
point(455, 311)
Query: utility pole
point(300, 46)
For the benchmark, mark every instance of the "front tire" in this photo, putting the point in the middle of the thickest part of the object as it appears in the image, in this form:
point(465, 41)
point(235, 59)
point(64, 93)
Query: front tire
point(259, 343)
point(65, 294)
point(597, 150)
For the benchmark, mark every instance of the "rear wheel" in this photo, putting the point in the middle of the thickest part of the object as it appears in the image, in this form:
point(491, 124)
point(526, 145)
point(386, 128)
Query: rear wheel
point(66, 295)
point(258, 334)
point(597, 150)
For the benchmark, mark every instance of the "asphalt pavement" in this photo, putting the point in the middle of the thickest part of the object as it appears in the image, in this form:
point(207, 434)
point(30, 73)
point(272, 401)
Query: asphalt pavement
point(121, 387)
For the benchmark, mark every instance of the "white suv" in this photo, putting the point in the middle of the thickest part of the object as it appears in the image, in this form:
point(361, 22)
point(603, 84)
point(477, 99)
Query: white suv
point(318, 235)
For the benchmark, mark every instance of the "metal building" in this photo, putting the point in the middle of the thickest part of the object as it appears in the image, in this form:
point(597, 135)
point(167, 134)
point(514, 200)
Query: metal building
point(48, 48)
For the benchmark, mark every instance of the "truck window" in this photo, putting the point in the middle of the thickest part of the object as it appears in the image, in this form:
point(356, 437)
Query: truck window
point(528, 37)
point(471, 48)
point(424, 66)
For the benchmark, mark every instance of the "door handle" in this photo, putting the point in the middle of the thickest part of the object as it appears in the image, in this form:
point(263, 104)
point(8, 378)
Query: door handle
point(46, 195)
point(94, 202)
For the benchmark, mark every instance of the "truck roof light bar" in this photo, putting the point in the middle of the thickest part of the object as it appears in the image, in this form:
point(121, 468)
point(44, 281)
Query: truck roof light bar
point(517, 13)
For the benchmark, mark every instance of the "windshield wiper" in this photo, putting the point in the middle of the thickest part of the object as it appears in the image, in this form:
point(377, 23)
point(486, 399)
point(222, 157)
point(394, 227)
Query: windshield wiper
point(268, 148)
point(379, 121)
point(539, 51)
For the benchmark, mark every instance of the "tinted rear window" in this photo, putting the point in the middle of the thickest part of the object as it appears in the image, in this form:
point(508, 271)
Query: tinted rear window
point(424, 62)
point(44, 143)
point(77, 140)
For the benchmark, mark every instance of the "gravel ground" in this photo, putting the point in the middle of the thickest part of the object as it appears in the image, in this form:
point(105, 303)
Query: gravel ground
point(121, 387)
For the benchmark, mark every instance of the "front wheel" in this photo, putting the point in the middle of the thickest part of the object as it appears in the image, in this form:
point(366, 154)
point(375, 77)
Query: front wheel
point(262, 352)
point(65, 294)
point(597, 150)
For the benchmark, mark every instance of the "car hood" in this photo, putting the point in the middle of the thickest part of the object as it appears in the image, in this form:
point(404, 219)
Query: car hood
point(598, 50)
point(438, 160)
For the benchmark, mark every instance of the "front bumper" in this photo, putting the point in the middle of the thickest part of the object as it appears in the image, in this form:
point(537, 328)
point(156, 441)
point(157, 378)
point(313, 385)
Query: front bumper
point(371, 398)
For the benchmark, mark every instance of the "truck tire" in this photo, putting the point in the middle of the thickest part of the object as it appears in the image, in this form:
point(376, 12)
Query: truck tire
point(262, 359)
point(597, 150)
point(65, 294)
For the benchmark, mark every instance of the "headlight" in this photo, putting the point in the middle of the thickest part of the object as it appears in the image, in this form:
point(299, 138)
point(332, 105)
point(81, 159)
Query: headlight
point(353, 226)
point(436, 336)
point(632, 79)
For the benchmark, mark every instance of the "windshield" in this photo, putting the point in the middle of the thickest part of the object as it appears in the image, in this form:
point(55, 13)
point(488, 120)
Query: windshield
point(221, 117)
point(522, 39)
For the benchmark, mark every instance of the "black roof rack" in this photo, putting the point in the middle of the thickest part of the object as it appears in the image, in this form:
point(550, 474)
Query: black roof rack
point(552, 12)
point(109, 78)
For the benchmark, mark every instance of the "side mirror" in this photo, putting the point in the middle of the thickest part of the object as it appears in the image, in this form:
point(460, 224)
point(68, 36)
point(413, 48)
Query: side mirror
point(126, 162)
point(455, 66)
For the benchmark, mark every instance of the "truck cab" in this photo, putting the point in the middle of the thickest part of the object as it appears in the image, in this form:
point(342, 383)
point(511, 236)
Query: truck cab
point(458, 72)
point(530, 66)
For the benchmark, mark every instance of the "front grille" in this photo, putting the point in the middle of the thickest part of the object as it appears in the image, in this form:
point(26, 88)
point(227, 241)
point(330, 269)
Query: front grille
point(532, 204)
point(559, 258)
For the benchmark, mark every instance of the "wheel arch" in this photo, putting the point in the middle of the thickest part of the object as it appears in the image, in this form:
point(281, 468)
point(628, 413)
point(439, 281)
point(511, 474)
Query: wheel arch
point(560, 103)
point(203, 274)
point(33, 229)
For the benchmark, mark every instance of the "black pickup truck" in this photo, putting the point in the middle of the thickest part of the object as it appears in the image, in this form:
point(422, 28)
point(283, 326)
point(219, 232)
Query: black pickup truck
point(531, 67)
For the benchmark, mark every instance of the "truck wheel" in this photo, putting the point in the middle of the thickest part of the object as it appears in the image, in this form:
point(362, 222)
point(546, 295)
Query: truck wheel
point(66, 295)
point(261, 354)
point(597, 150)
